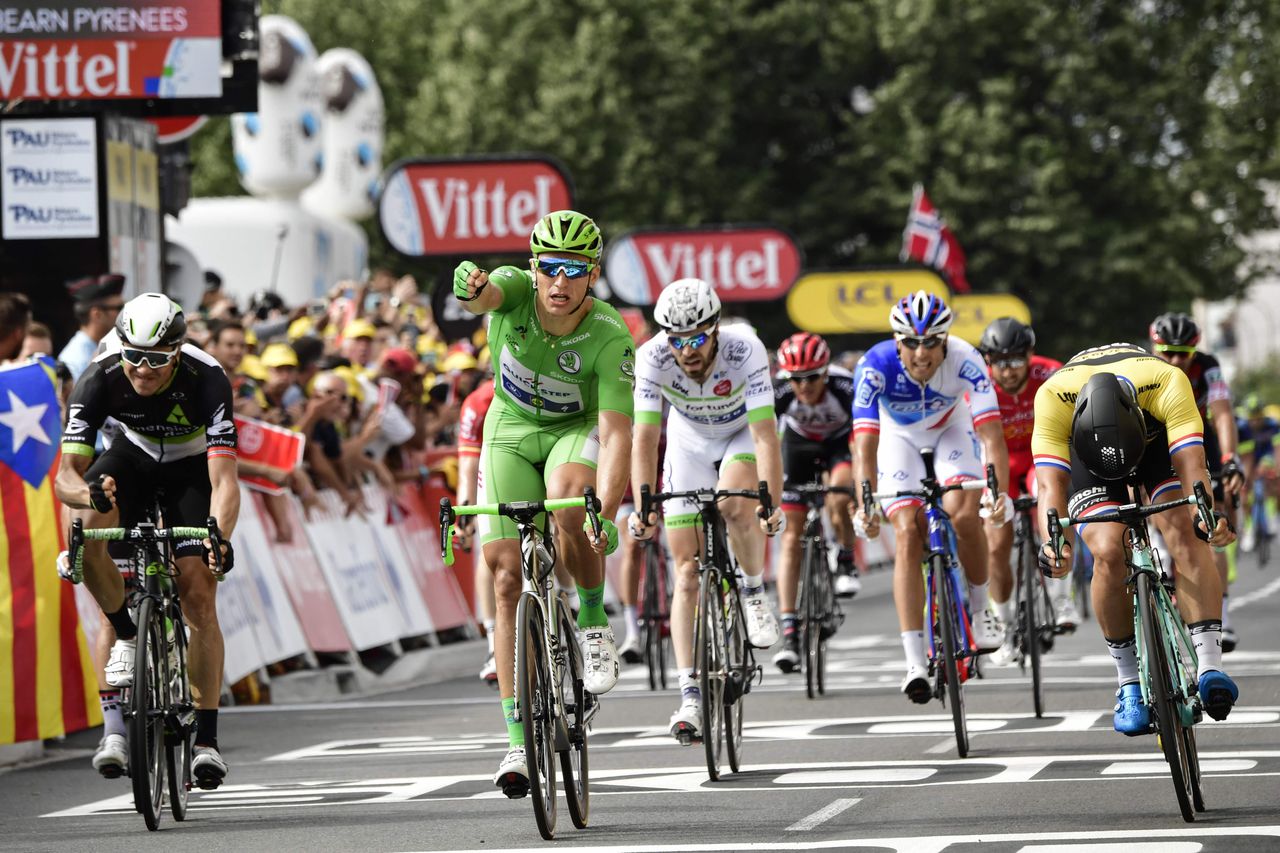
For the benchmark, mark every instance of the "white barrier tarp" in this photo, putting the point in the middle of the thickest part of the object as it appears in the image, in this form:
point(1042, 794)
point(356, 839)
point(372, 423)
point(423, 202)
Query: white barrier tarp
point(395, 560)
point(240, 619)
point(279, 633)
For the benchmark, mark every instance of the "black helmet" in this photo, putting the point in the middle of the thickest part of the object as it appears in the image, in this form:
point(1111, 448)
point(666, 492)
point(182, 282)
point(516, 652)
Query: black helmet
point(1007, 335)
point(1175, 330)
point(1108, 430)
point(263, 302)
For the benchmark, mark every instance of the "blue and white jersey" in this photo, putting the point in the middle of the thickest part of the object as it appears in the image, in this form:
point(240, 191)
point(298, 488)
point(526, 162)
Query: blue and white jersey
point(883, 390)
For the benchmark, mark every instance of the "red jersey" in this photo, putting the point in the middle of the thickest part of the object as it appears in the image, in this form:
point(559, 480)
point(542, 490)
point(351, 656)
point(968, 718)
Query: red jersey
point(471, 419)
point(1018, 411)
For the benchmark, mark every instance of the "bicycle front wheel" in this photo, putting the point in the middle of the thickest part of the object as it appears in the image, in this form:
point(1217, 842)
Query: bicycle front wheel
point(950, 666)
point(147, 712)
point(811, 630)
point(651, 619)
point(535, 702)
point(1030, 606)
point(180, 722)
point(573, 698)
point(1164, 702)
point(736, 683)
point(709, 659)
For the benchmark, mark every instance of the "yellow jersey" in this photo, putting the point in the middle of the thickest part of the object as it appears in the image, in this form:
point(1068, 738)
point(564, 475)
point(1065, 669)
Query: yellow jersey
point(1164, 393)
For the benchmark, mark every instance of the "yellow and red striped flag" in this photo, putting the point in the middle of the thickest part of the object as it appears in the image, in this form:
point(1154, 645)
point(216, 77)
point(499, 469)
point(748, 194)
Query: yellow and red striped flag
point(47, 683)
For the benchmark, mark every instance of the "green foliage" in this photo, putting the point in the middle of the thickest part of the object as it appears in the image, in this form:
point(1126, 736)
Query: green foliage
point(1263, 381)
point(1099, 159)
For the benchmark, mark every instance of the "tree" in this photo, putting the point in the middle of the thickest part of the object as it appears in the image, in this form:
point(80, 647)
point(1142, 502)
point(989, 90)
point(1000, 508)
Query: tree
point(1101, 160)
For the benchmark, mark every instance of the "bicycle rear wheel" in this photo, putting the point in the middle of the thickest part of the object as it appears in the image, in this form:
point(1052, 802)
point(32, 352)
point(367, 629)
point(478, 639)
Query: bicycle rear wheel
point(709, 660)
point(1030, 592)
point(534, 699)
point(737, 678)
point(952, 643)
point(573, 760)
point(651, 619)
point(146, 720)
point(179, 725)
point(1164, 703)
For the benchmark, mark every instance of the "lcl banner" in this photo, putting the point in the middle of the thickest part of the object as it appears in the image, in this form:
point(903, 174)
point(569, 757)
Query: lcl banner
point(744, 263)
point(131, 49)
point(481, 205)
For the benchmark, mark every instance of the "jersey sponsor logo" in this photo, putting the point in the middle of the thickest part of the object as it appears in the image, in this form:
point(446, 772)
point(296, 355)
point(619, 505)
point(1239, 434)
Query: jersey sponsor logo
point(1068, 396)
point(870, 386)
point(220, 423)
point(75, 425)
point(575, 339)
point(628, 369)
point(736, 352)
point(570, 361)
point(974, 375)
point(722, 388)
point(599, 315)
point(177, 416)
point(1153, 386)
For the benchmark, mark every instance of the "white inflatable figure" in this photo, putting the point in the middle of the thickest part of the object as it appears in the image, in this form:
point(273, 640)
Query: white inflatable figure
point(277, 149)
point(352, 137)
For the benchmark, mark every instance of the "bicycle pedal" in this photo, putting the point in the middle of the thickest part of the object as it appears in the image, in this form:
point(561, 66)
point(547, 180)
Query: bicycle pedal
point(515, 788)
point(111, 771)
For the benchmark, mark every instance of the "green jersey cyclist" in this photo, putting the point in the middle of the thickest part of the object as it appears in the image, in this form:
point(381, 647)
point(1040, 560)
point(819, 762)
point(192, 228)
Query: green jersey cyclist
point(564, 370)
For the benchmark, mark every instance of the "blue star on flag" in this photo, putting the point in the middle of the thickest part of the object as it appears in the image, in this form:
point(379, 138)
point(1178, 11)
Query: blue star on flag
point(30, 421)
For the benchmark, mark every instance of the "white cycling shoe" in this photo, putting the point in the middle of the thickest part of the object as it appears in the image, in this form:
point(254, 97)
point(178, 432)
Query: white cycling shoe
point(112, 757)
point(1066, 614)
point(630, 651)
point(762, 625)
point(119, 668)
point(1007, 653)
point(988, 632)
point(599, 660)
point(915, 685)
point(847, 586)
point(513, 774)
point(686, 722)
point(489, 672)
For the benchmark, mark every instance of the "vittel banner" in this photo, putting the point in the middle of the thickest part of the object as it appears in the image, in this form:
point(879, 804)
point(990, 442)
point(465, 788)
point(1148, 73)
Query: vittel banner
point(469, 206)
point(133, 49)
point(744, 263)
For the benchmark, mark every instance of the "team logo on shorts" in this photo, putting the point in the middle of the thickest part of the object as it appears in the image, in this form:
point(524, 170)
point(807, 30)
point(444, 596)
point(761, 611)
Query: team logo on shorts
point(569, 361)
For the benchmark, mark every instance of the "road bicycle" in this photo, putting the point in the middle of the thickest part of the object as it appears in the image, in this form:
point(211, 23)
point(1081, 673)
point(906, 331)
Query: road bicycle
point(1261, 526)
point(1037, 625)
point(723, 657)
point(655, 612)
point(551, 704)
point(1167, 663)
point(953, 656)
point(820, 612)
point(159, 711)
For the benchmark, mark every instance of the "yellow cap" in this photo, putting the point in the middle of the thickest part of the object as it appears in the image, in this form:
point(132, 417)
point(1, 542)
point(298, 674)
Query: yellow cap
point(252, 367)
point(250, 338)
point(458, 361)
point(299, 327)
point(360, 328)
point(354, 388)
point(279, 355)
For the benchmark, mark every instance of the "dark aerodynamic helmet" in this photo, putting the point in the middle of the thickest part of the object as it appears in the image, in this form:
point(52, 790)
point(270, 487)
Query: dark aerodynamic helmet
point(1006, 336)
point(1108, 430)
point(1174, 330)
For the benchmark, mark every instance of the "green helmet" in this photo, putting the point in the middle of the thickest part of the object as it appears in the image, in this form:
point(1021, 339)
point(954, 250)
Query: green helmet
point(566, 231)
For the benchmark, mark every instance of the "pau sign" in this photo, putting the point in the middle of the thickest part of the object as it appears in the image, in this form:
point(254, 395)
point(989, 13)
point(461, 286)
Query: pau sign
point(859, 301)
point(744, 263)
point(475, 205)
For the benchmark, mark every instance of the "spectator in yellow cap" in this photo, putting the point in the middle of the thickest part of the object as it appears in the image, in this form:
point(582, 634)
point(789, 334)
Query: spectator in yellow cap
point(357, 342)
point(284, 397)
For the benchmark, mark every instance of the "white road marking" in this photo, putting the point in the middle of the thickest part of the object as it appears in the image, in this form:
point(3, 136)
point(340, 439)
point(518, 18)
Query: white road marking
point(823, 815)
point(864, 776)
point(1118, 847)
point(1257, 595)
point(1159, 768)
point(932, 726)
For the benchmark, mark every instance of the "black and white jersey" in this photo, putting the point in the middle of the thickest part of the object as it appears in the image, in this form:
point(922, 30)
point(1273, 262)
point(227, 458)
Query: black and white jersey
point(830, 416)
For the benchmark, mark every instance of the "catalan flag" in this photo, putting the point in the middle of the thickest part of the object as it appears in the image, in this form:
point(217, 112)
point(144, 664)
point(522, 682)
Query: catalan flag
point(47, 683)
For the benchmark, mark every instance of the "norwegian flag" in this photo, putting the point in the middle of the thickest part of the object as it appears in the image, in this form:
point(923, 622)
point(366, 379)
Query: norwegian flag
point(927, 239)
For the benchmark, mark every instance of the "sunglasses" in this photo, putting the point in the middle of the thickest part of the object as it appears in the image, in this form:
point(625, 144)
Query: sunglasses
point(1009, 363)
point(804, 379)
point(113, 308)
point(155, 359)
point(931, 342)
point(693, 341)
point(553, 267)
point(1174, 349)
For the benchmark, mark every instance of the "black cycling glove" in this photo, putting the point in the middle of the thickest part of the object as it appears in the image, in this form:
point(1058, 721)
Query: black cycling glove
point(98, 496)
point(1203, 535)
point(1047, 563)
point(228, 558)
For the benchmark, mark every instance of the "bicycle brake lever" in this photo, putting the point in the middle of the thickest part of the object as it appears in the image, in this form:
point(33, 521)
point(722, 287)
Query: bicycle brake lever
point(446, 531)
point(593, 509)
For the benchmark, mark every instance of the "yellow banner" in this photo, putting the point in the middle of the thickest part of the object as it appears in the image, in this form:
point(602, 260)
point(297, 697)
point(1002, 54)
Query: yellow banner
point(855, 301)
point(975, 311)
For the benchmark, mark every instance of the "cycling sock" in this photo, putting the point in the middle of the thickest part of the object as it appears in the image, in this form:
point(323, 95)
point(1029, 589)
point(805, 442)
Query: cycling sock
point(1059, 588)
point(123, 622)
point(1004, 609)
point(790, 623)
point(591, 614)
point(489, 626)
point(1206, 638)
point(112, 717)
point(573, 600)
point(752, 584)
point(207, 727)
point(1226, 613)
point(913, 646)
point(844, 561)
point(515, 731)
point(630, 617)
point(977, 598)
point(687, 681)
point(1125, 654)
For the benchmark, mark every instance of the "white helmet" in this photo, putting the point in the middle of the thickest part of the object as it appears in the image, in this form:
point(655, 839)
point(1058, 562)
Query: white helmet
point(920, 314)
point(151, 320)
point(686, 304)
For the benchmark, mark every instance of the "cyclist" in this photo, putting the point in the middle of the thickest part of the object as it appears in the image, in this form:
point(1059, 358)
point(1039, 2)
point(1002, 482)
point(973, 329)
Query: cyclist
point(173, 404)
point(470, 432)
point(721, 433)
point(1174, 338)
point(1111, 415)
point(911, 393)
point(1008, 345)
point(564, 367)
point(813, 402)
point(1259, 435)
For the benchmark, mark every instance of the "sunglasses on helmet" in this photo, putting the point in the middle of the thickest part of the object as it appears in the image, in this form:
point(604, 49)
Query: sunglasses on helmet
point(930, 342)
point(693, 341)
point(154, 359)
point(552, 267)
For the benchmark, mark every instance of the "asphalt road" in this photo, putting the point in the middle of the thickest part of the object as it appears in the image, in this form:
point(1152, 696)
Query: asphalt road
point(858, 769)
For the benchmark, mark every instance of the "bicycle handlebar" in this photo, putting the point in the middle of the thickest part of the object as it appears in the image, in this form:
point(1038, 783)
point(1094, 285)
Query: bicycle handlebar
point(649, 499)
point(141, 533)
point(1130, 513)
point(516, 510)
